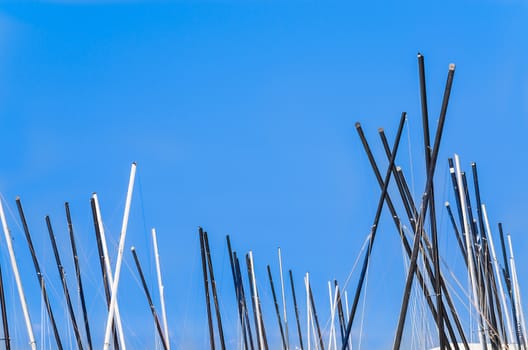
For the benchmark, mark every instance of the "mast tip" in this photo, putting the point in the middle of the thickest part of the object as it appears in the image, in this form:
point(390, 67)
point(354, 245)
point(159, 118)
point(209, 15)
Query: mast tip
point(446, 204)
point(17, 198)
point(452, 66)
point(132, 248)
point(380, 130)
point(358, 125)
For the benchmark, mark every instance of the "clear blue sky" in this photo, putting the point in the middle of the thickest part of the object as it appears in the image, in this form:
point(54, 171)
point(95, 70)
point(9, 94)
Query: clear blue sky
point(241, 117)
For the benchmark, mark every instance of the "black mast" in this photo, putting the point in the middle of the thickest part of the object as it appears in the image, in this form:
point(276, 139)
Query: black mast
point(164, 339)
point(78, 275)
point(39, 274)
point(206, 286)
point(4, 313)
point(276, 308)
point(62, 274)
point(296, 310)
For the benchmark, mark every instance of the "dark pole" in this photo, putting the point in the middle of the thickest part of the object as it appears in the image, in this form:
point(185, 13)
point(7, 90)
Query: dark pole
point(78, 275)
point(312, 302)
point(237, 292)
point(507, 278)
point(213, 287)
point(4, 313)
point(62, 274)
point(206, 287)
point(243, 298)
point(412, 214)
point(425, 204)
point(432, 210)
point(163, 338)
point(373, 229)
point(296, 310)
point(102, 263)
point(457, 232)
point(39, 274)
point(276, 308)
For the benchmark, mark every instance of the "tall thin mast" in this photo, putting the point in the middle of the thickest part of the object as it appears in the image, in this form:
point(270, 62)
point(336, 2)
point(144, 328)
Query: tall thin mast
point(276, 307)
point(121, 248)
point(521, 328)
point(62, 275)
point(14, 266)
point(243, 298)
point(78, 275)
point(283, 301)
point(4, 313)
point(296, 310)
point(39, 274)
point(469, 244)
point(106, 270)
point(206, 287)
point(160, 288)
point(149, 299)
point(258, 311)
point(213, 288)
point(497, 273)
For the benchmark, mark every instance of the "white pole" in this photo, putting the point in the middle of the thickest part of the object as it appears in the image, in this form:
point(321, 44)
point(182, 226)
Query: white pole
point(14, 266)
point(499, 277)
point(284, 302)
point(256, 301)
point(108, 268)
point(346, 317)
point(469, 243)
point(308, 311)
point(161, 288)
point(517, 293)
point(121, 248)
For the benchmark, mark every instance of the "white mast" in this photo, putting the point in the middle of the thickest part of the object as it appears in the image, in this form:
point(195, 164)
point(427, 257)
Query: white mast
point(497, 273)
point(108, 268)
point(14, 266)
point(161, 288)
point(121, 248)
point(517, 294)
point(256, 301)
point(283, 302)
point(333, 304)
point(469, 244)
point(308, 311)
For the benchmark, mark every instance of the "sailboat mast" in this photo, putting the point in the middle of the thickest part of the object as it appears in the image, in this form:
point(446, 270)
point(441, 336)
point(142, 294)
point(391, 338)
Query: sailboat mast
point(62, 275)
point(160, 287)
point(296, 310)
point(40, 278)
point(121, 248)
point(78, 275)
point(206, 287)
point(149, 299)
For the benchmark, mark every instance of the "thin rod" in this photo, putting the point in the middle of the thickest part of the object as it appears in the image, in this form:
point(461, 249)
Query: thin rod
point(283, 292)
point(5, 325)
point(243, 299)
point(374, 228)
point(276, 308)
point(312, 302)
point(161, 288)
point(296, 310)
point(213, 288)
point(120, 251)
point(40, 277)
point(62, 274)
point(149, 299)
point(206, 288)
point(78, 275)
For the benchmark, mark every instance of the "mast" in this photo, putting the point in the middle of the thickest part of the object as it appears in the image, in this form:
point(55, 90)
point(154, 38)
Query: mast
point(243, 298)
point(283, 301)
point(277, 312)
point(497, 273)
point(4, 313)
point(237, 293)
point(149, 299)
point(206, 286)
point(213, 288)
point(296, 310)
point(160, 288)
point(316, 319)
point(106, 270)
point(256, 303)
point(62, 275)
point(521, 328)
point(40, 278)
point(78, 275)
point(115, 284)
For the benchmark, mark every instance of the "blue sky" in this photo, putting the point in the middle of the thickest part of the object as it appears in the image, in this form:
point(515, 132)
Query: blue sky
point(241, 118)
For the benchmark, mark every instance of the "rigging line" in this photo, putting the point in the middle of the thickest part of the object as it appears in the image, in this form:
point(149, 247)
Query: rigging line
point(356, 262)
point(363, 307)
